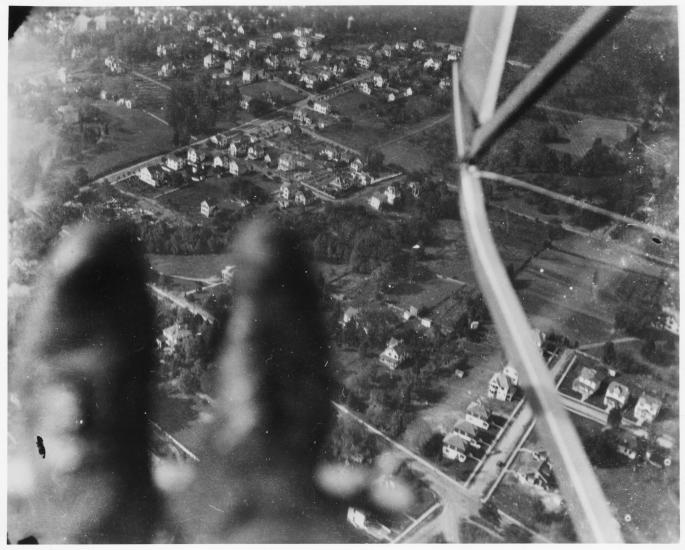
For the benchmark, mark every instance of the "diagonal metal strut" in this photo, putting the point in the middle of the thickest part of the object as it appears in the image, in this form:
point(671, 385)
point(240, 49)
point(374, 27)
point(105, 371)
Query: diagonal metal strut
point(587, 504)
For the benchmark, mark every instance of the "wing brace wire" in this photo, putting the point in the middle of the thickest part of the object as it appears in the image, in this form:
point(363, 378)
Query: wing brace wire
point(586, 502)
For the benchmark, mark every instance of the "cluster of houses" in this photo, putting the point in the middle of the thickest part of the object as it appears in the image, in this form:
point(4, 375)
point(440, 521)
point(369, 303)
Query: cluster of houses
point(466, 433)
point(390, 196)
point(114, 65)
point(616, 396)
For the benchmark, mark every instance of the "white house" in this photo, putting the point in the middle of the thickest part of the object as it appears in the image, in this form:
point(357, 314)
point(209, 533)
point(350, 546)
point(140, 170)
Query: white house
point(454, 447)
point(150, 176)
point(419, 44)
point(391, 194)
point(208, 207)
point(647, 408)
point(322, 107)
point(432, 63)
point(378, 80)
point(468, 432)
point(616, 396)
point(286, 162)
point(511, 373)
point(236, 168)
point(394, 354)
point(364, 61)
point(376, 201)
point(586, 383)
point(350, 314)
point(478, 414)
point(174, 162)
point(209, 60)
point(365, 88)
point(500, 387)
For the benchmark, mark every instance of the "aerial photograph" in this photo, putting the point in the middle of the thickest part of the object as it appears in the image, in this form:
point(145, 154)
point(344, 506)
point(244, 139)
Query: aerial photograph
point(342, 274)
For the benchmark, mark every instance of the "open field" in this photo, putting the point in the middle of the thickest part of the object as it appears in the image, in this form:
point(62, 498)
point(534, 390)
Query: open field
point(133, 135)
point(196, 265)
point(257, 89)
point(581, 133)
point(649, 494)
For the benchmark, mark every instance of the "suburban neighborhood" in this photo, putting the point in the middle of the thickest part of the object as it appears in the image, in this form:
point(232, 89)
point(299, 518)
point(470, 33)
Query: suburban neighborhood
point(186, 123)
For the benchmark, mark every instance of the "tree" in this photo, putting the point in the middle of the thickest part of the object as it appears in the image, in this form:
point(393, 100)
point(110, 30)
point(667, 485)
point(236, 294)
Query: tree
point(609, 353)
point(81, 177)
point(490, 512)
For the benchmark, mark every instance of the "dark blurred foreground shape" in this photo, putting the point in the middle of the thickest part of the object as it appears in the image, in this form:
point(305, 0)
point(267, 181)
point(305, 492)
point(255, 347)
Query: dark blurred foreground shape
point(87, 366)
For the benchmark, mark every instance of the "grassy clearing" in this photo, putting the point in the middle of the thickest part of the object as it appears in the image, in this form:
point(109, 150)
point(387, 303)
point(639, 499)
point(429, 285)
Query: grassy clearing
point(647, 493)
point(197, 265)
point(133, 135)
point(276, 89)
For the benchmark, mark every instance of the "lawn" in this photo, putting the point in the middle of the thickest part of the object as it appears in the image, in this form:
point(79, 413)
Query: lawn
point(470, 533)
point(133, 135)
point(647, 493)
point(256, 89)
point(196, 265)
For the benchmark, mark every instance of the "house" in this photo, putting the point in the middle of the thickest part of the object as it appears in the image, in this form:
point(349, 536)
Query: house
point(150, 175)
point(245, 102)
point(453, 53)
point(305, 53)
point(445, 83)
point(616, 396)
point(629, 445)
point(500, 387)
point(356, 165)
point(478, 414)
point(308, 80)
point(362, 178)
point(167, 70)
point(209, 60)
point(272, 61)
point(432, 64)
point(647, 408)
point(195, 156)
point(390, 96)
point(394, 354)
point(535, 470)
point(249, 75)
point(415, 189)
point(302, 42)
point(329, 152)
point(378, 80)
point(401, 46)
point(252, 44)
point(386, 50)
point(302, 197)
point(406, 92)
point(468, 432)
point(391, 194)
point(175, 334)
point(221, 161)
point(410, 313)
point(586, 383)
point(365, 88)
point(425, 322)
point(271, 156)
point(316, 56)
point(255, 152)
point(277, 35)
point(174, 162)
point(238, 147)
point(376, 201)
point(284, 190)
point(220, 140)
point(511, 373)
point(454, 447)
point(350, 314)
point(324, 75)
point(322, 107)
point(208, 207)
point(236, 168)
point(419, 44)
point(286, 162)
point(364, 61)
point(229, 66)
